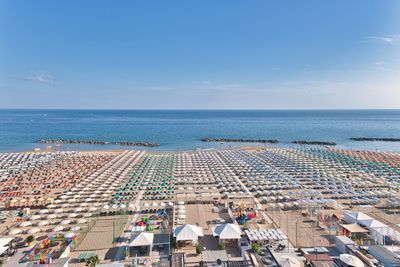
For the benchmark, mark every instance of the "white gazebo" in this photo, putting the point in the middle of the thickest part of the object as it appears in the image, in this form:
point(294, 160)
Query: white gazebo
point(142, 239)
point(188, 232)
point(227, 231)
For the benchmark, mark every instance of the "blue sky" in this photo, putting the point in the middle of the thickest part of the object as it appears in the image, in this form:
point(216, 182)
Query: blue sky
point(200, 54)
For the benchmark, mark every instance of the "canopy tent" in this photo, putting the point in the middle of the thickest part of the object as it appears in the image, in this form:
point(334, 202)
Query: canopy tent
point(351, 260)
point(188, 232)
point(141, 239)
point(227, 231)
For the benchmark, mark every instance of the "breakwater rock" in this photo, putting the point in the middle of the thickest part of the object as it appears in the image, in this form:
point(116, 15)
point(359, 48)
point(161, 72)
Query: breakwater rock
point(385, 139)
point(239, 140)
point(96, 142)
point(321, 143)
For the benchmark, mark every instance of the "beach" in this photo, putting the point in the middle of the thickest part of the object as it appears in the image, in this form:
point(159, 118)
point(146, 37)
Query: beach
point(99, 197)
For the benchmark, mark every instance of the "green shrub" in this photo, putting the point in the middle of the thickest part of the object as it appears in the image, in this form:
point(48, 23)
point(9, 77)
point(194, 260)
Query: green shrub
point(92, 261)
point(199, 249)
point(221, 246)
point(29, 239)
point(255, 247)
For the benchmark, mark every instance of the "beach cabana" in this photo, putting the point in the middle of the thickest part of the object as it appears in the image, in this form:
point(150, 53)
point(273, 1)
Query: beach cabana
point(227, 231)
point(188, 232)
point(140, 241)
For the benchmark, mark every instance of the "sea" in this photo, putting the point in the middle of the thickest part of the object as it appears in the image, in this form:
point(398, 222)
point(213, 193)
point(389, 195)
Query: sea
point(178, 130)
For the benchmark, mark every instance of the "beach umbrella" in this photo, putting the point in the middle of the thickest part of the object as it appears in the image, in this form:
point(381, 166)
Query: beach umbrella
point(33, 231)
point(24, 224)
point(44, 211)
point(52, 216)
point(43, 223)
point(58, 228)
point(69, 235)
point(351, 260)
point(82, 221)
point(15, 232)
point(35, 217)
point(64, 222)
point(75, 228)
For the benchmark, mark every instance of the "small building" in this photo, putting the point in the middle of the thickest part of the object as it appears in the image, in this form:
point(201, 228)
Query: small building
point(342, 242)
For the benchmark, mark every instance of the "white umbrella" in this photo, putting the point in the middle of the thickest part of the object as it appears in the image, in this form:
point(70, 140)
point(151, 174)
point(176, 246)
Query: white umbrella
point(351, 260)
point(15, 232)
point(44, 211)
point(78, 209)
point(58, 210)
point(35, 217)
point(69, 235)
point(33, 231)
point(43, 223)
point(52, 216)
point(65, 222)
point(24, 224)
point(72, 215)
point(58, 228)
point(75, 228)
point(82, 221)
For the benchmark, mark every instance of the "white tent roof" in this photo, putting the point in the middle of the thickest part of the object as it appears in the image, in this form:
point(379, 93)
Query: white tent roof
point(358, 215)
point(372, 223)
point(227, 231)
point(142, 239)
point(188, 232)
point(351, 260)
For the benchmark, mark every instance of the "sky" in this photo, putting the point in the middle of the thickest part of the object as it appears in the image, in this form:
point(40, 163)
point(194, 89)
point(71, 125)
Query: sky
point(284, 54)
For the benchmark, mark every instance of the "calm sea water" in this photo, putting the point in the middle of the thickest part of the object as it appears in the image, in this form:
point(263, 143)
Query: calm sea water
point(182, 130)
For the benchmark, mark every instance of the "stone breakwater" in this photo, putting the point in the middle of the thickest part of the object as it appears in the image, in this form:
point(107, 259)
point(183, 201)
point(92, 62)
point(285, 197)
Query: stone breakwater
point(321, 143)
point(239, 140)
point(96, 142)
point(385, 139)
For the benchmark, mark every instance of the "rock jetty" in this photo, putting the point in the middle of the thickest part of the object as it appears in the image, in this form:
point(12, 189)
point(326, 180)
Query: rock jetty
point(321, 143)
point(239, 140)
point(385, 139)
point(96, 142)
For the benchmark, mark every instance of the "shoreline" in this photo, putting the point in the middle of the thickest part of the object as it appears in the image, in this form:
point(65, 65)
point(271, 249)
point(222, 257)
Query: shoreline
point(227, 146)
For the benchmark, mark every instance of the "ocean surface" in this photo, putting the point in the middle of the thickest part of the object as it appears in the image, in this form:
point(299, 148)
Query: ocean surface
point(182, 130)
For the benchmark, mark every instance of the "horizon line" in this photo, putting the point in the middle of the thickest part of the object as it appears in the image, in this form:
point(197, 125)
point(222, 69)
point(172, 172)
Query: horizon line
point(206, 109)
